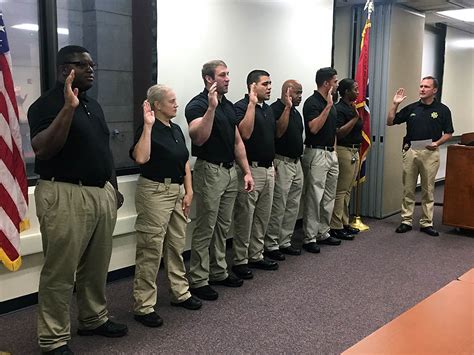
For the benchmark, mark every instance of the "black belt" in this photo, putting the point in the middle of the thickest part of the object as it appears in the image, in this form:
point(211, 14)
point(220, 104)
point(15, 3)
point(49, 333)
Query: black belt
point(350, 145)
point(75, 181)
point(165, 180)
point(287, 159)
point(226, 165)
point(261, 164)
point(324, 147)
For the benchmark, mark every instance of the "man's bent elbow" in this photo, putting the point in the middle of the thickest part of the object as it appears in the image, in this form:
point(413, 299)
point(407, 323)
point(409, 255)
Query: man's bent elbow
point(42, 154)
point(197, 141)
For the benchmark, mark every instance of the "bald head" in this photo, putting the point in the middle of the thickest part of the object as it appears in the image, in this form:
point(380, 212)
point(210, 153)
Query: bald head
point(296, 91)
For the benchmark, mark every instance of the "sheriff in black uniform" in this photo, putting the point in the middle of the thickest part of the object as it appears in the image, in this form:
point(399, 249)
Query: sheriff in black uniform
point(429, 125)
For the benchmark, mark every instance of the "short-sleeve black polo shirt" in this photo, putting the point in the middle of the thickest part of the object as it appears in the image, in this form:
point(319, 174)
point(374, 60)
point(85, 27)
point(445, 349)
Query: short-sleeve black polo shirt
point(219, 148)
point(260, 146)
point(290, 144)
point(86, 153)
point(345, 113)
point(425, 121)
point(313, 106)
point(168, 154)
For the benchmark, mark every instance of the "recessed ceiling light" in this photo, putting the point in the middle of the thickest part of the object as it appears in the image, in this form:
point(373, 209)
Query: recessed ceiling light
point(34, 27)
point(466, 15)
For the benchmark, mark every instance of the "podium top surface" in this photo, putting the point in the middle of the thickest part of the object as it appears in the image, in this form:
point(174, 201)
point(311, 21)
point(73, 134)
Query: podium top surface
point(468, 276)
point(440, 324)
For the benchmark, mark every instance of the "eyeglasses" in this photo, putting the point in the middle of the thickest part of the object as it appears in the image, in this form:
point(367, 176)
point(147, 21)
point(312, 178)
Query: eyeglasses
point(83, 65)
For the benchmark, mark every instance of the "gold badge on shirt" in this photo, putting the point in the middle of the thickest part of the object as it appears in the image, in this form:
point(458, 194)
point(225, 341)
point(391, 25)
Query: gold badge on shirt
point(434, 115)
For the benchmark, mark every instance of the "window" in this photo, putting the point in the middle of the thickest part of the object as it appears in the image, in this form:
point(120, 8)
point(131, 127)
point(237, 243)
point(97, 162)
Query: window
point(126, 68)
point(21, 21)
point(105, 29)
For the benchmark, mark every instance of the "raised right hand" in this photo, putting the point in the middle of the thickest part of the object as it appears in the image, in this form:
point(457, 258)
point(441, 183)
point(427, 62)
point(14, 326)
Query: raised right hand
point(70, 94)
point(399, 96)
point(287, 99)
point(356, 111)
point(253, 94)
point(212, 96)
point(329, 97)
point(148, 114)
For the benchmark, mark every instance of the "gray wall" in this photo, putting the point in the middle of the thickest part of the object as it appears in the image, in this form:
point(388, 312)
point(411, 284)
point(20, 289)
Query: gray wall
point(404, 70)
point(342, 41)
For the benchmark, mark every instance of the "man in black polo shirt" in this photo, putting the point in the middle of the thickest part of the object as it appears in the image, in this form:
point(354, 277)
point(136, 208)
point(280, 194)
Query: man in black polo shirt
point(429, 125)
point(289, 174)
point(319, 162)
point(252, 210)
point(76, 203)
point(216, 144)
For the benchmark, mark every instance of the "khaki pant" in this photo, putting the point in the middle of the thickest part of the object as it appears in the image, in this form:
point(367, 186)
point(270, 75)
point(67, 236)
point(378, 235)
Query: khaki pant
point(215, 190)
point(425, 163)
point(320, 169)
point(76, 224)
point(251, 215)
point(348, 167)
point(286, 203)
point(161, 229)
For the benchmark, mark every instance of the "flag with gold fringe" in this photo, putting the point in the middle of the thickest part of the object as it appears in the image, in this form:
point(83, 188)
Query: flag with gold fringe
point(13, 181)
point(362, 102)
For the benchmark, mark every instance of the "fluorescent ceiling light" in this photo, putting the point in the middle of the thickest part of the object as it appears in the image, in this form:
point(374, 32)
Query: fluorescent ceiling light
point(34, 27)
point(466, 15)
point(463, 43)
point(63, 31)
point(26, 26)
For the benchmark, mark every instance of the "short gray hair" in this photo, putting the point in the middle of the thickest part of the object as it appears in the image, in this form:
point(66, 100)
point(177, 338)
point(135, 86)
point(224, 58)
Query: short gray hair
point(156, 93)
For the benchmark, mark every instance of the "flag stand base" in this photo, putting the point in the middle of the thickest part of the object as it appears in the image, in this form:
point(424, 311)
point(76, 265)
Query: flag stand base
point(357, 223)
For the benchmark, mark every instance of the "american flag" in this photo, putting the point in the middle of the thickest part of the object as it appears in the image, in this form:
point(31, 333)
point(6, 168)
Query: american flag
point(13, 182)
point(362, 102)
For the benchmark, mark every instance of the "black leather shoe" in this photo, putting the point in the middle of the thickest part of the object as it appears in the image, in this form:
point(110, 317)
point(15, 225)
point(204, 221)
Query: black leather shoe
point(329, 241)
point(205, 293)
point(290, 251)
point(430, 231)
point(229, 281)
point(274, 255)
point(311, 247)
point(351, 230)
point(242, 271)
point(341, 234)
point(151, 320)
point(192, 303)
point(403, 228)
point(264, 264)
point(109, 329)
point(62, 350)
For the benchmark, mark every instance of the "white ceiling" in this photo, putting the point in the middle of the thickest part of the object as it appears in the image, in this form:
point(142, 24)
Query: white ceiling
point(429, 8)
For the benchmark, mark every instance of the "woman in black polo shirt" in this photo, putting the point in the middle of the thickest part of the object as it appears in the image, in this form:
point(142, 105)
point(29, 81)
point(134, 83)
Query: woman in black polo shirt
point(163, 198)
point(349, 138)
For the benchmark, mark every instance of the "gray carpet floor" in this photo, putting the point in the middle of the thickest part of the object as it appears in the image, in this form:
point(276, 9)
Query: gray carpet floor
point(314, 304)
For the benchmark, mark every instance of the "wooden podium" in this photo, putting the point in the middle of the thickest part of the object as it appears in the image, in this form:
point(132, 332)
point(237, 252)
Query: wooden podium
point(458, 208)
